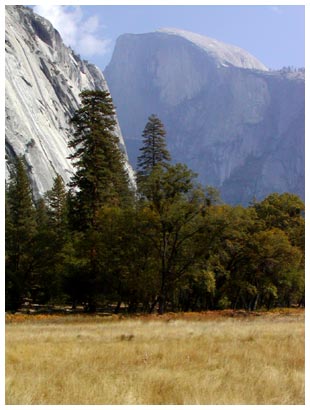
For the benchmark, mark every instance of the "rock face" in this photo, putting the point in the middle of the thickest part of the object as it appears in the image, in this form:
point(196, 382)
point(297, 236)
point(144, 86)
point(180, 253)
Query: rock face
point(230, 119)
point(43, 81)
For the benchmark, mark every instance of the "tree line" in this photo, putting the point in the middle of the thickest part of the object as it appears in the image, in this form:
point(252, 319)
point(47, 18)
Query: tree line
point(167, 244)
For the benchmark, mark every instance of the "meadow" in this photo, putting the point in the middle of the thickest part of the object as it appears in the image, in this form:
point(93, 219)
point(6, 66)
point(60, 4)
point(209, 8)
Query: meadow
point(194, 358)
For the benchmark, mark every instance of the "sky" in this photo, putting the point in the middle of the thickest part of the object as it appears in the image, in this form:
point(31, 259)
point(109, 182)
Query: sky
point(274, 34)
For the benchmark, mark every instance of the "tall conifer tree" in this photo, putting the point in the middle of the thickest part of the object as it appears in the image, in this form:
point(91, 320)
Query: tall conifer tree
point(100, 176)
point(57, 200)
point(100, 179)
point(20, 232)
point(154, 150)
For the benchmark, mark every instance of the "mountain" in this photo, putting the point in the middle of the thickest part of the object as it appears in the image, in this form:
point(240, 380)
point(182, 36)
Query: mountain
point(43, 80)
point(240, 126)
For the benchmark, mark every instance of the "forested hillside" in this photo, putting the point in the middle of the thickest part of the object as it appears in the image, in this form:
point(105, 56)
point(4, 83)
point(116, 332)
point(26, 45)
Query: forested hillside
point(170, 244)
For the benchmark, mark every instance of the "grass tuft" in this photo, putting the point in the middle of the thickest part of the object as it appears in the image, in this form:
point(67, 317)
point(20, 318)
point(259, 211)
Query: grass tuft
point(192, 359)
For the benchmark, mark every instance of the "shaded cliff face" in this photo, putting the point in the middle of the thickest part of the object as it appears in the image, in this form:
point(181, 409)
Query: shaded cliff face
point(227, 117)
point(43, 81)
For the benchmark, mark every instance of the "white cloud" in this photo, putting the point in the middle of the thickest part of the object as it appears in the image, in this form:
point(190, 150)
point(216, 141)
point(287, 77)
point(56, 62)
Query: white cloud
point(276, 9)
point(77, 31)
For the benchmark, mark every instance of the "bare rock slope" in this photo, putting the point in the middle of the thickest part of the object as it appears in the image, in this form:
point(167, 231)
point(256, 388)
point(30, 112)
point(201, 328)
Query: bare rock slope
point(43, 81)
point(229, 118)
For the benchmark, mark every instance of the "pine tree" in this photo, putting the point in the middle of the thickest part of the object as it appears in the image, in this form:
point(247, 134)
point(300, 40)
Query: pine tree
point(57, 204)
point(56, 231)
point(21, 229)
point(154, 151)
point(41, 282)
point(100, 176)
point(100, 180)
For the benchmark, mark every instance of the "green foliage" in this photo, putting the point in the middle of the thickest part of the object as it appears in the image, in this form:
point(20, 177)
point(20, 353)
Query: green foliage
point(100, 179)
point(197, 290)
point(57, 204)
point(286, 212)
point(55, 234)
point(100, 175)
point(21, 229)
point(176, 208)
point(172, 246)
point(33, 244)
point(251, 261)
point(153, 151)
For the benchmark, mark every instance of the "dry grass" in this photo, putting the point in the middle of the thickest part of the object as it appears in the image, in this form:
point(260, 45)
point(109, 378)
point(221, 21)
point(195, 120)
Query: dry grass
point(178, 359)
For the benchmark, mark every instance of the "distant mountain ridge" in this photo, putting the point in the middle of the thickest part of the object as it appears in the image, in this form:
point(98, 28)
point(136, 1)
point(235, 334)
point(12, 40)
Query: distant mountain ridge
point(43, 81)
point(225, 54)
point(240, 126)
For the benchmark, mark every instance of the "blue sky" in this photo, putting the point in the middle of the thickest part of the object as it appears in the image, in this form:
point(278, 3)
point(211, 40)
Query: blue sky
point(273, 34)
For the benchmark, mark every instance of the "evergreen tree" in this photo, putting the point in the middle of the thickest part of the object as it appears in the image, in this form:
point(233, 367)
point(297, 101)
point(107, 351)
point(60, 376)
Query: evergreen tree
point(100, 176)
point(56, 231)
point(57, 205)
point(21, 229)
point(154, 151)
point(42, 281)
point(100, 179)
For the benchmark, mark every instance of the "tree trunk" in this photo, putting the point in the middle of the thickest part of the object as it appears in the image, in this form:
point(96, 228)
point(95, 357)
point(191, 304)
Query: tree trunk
point(162, 304)
point(117, 308)
point(237, 300)
point(153, 305)
point(254, 307)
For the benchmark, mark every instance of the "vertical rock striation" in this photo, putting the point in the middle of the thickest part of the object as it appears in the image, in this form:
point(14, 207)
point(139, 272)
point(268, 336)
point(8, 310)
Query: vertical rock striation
point(229, 118)
point(43, 81)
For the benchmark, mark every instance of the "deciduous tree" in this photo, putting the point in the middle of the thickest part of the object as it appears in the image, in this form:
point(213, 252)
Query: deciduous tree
point(175, 206)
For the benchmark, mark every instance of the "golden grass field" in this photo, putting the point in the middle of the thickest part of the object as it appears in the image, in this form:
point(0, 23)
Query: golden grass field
point(207, 358)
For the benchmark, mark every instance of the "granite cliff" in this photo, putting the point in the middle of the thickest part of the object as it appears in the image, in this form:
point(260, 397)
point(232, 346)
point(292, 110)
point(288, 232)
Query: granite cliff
point(43, 80)
point(229, 118)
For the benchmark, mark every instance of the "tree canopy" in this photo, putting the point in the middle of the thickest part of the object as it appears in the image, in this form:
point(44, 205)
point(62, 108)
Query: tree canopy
point(173, 245)
point(154, 150)
point(100, 175)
